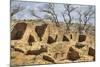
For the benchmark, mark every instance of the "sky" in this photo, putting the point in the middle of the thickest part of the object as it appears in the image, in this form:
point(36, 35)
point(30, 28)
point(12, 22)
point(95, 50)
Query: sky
point(29, 5)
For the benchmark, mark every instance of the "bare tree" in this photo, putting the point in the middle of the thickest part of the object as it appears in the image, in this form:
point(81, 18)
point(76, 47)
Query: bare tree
point(16, 8)
point(49, 9)
point(80, 21)
point(35, 15)
point(67, 12)
point(85, 17)
point(48, 17)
